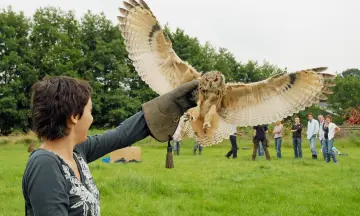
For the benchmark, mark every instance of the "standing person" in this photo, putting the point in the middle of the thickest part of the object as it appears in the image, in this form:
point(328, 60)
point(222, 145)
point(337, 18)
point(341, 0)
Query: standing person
point(261, 150)
point(330, 129)
point(296, 129)
point(234, 146)
point(57, 179)
point(196, 147)
point(321, 134)
point(278, 130)
point(177, 139)
point(312, 130)
point(260, 136)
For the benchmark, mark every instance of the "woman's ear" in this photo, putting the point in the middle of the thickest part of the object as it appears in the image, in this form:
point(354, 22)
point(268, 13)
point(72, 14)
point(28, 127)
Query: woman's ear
point(74, 119)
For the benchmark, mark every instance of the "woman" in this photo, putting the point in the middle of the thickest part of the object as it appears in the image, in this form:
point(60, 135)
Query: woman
point(57, 179)
point(278, 129)
point(234, 146)
point(330, 129)
point(177, 137)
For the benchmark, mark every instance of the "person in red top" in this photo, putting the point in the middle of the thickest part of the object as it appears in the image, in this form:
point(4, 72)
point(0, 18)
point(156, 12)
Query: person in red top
point(358, 120)
point(351, 120)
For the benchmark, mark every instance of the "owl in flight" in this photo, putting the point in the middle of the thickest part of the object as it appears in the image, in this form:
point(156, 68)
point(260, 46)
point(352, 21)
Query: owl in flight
point(220, 105)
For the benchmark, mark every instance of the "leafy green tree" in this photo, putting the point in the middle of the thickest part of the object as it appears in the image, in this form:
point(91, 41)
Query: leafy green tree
point(354, 72)
point(54, 37)
point(346, 94)
point(106, 65)
point(16, 71)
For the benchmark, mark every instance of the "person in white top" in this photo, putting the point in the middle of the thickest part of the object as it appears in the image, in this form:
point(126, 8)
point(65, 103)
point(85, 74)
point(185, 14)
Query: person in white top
point(278, 129)
point(330, 129)
point(234, 146)
point(321, 134)
point(177, 139)
point(312, 131)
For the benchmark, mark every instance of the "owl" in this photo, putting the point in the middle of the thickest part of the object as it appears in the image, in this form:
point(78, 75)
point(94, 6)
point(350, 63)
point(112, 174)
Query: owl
point(220, 105)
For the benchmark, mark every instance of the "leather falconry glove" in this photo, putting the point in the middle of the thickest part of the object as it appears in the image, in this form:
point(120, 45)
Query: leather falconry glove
point(162, 114)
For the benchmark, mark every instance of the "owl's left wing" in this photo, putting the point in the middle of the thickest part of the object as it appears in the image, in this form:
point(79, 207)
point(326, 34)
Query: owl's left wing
point(151, 50)
point(275, 98)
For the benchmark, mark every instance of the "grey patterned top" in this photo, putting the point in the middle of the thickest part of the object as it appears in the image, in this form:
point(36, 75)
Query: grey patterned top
point(49, 185)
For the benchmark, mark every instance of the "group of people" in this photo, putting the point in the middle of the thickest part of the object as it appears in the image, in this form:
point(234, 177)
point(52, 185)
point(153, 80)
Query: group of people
point(323, 129)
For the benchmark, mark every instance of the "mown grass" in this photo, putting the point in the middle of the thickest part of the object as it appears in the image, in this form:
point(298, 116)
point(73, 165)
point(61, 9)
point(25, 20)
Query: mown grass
point(209, 184)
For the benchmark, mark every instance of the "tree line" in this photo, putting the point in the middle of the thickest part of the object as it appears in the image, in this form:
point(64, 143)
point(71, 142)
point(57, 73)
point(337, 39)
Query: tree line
point(53, 42)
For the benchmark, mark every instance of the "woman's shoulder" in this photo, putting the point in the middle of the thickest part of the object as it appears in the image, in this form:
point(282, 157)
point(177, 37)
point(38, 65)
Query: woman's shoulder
point(42, 158)
point(332, 125)
point(43, 154)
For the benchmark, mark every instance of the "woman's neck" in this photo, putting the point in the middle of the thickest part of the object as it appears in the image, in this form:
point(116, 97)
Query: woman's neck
point(63, 147)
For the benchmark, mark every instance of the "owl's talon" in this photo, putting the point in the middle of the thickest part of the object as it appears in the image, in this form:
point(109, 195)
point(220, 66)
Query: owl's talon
point(187, 117)
point(206, 126)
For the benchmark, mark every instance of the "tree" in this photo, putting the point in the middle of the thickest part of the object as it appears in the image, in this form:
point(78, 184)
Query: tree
point(354, 72)
point(106, 65)
point(16, 71)
point(346, 94)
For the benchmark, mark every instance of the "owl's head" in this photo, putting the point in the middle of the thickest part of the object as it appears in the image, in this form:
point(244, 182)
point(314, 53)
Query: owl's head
point(212, 79)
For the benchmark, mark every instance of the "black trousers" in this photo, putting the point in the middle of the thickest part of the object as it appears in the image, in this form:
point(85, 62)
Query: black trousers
point(234, 147)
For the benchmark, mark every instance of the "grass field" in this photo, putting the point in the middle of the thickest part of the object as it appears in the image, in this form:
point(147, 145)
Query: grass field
point(209, 184)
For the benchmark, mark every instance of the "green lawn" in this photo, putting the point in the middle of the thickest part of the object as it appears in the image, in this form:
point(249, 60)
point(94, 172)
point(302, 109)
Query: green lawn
point(209, 184)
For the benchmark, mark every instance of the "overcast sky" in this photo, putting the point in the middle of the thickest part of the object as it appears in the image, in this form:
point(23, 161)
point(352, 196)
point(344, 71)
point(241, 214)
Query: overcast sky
point(293, 34)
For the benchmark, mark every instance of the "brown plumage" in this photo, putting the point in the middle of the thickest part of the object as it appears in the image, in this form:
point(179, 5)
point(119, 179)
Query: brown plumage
point(220, 105)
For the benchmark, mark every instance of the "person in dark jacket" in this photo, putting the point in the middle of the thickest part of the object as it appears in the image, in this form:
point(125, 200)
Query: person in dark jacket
point(260, 136)
point(296, 129)
point(57, 179)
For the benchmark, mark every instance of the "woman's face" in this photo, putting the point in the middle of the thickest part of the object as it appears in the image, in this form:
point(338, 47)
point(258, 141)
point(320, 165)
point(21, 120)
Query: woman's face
point(83, 124)
point(328, 120)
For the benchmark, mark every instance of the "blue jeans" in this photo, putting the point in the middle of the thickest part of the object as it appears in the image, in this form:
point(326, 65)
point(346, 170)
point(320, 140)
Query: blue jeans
point(278, 142)
point(297, 147)
point(196, 147)
point(177, 147)
point(322, 142)
point(329, 152)
point(234, 147)
point(260, 149)
point(312, 143)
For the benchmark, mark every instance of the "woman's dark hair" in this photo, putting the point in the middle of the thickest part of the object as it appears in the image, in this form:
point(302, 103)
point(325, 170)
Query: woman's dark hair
point(53, 101)
point(328, 116)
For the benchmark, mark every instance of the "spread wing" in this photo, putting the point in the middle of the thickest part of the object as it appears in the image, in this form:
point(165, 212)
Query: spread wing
point(151, 50)
point(275, 98)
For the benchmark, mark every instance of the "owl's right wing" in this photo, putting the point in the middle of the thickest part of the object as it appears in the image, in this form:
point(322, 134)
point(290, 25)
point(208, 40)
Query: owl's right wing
point(151, 50)
point(275, 98)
